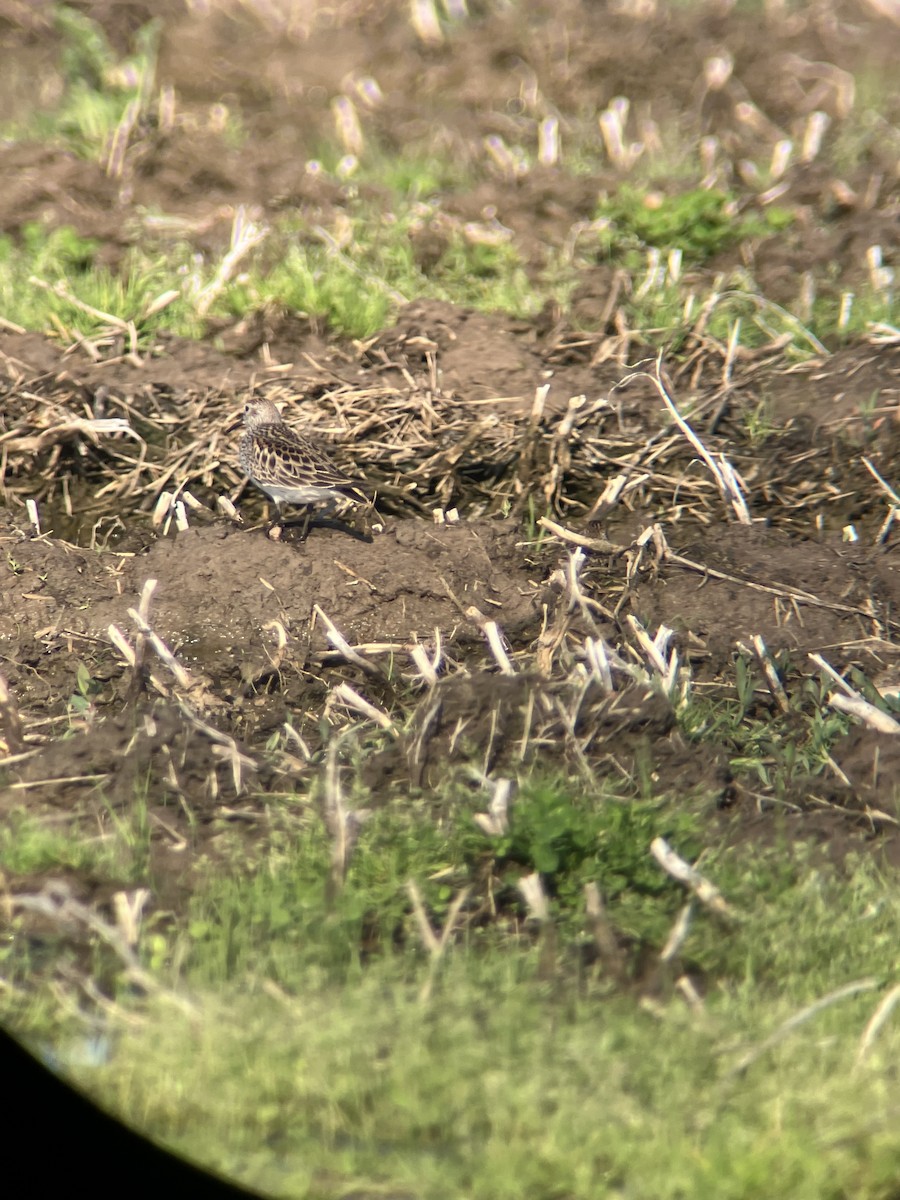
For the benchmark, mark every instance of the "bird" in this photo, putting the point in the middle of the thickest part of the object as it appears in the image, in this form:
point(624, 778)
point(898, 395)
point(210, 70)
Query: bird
point(288, 467)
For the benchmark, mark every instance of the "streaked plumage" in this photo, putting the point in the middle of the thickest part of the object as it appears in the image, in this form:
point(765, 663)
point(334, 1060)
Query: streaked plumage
point(285, 465)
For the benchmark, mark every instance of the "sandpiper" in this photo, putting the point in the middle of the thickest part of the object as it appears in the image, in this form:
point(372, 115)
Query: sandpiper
point(286, 466)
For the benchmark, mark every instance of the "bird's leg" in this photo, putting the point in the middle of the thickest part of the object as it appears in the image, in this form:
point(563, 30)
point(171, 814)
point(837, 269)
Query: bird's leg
point(276, 524)
point(368, 509)
point(319, 510)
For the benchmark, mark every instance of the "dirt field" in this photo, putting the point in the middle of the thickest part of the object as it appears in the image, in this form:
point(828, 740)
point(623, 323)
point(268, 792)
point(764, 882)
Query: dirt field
point(438, 411)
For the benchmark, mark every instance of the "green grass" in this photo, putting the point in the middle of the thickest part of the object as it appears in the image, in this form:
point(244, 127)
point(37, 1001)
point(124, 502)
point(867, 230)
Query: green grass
point(774, 747)
point(66, 264)
point(352, 275)
point(404, 173)
point(326, 1053)
point(354, 282)
point(351, 287)
point(506, 1084)
point(29, 846)
point(96, 87)
point(352, 279)
point(276, 921)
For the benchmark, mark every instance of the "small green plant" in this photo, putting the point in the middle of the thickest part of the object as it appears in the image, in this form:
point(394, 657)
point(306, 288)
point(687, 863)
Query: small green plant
point(773, 746)
point(700, 222)
point(572, 836)
point(845, 316)
point(535, 534)
point(58, 252)
point(81, 702)
point(85, 53)
point(758, 424)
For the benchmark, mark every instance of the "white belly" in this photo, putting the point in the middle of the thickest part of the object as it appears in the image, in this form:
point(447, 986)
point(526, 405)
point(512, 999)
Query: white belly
point(300, 494)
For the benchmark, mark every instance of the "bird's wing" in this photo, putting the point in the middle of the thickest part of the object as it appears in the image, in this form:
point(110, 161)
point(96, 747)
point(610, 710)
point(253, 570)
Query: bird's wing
point(286, 455)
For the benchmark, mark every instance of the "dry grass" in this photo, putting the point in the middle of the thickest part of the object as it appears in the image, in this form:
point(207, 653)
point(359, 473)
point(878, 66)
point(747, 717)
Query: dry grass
point(426, 449)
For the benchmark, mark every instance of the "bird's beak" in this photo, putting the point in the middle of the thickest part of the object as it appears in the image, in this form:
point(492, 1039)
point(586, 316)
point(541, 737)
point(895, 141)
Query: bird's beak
point(235, 424)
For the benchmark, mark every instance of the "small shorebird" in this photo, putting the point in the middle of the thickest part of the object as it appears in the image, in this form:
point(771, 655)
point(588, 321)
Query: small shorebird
point(287, 467)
